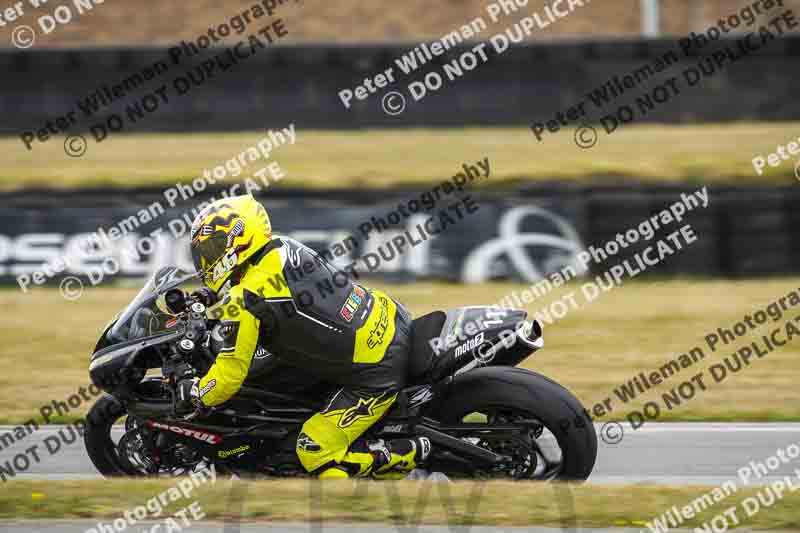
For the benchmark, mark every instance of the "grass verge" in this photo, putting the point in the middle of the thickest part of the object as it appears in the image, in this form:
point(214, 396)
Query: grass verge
point(464, 503)
point(380, 158)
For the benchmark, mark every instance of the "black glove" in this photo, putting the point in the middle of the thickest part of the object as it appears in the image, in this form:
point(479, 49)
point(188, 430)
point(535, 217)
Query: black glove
point(188, 396)
point(206, 296)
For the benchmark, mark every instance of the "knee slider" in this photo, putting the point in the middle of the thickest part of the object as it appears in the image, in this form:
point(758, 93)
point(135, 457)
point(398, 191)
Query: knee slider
point(334, 472)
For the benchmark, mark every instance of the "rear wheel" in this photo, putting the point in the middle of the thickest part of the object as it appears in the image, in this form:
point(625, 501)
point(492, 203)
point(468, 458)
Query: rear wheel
point(555, 438)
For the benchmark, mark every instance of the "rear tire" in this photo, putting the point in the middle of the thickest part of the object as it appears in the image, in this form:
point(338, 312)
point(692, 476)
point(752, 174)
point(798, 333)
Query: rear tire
point(541, 398)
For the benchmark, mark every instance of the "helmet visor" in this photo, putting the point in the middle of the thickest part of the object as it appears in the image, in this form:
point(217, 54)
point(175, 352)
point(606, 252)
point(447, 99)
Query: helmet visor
point(207, 252)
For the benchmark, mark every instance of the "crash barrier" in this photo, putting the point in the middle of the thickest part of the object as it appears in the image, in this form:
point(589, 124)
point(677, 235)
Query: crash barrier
point(524, 234)
point(323, 86)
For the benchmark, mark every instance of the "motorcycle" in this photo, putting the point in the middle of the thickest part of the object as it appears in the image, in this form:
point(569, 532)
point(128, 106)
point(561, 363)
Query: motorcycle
point(485, 417)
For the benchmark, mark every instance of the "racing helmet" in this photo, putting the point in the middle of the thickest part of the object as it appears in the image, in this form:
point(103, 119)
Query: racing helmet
point(225, 235)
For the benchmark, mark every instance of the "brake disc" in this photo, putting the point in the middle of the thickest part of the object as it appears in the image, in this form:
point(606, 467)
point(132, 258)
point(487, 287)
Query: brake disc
point(131, 454)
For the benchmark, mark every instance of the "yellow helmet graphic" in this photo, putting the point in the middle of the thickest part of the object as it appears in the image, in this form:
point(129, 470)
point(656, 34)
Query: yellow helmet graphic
point(225, 235)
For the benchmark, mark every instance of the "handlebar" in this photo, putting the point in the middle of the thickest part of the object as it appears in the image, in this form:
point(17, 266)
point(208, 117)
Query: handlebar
point(183, 359)
point(192, 350)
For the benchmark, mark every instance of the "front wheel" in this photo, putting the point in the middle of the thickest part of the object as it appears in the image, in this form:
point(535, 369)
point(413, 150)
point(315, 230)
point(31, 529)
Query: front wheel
point(97, 438)
point(129, 448)
point(557, 439)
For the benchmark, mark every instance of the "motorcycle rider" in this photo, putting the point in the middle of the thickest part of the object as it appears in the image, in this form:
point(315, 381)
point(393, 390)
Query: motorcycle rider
point(298, 309)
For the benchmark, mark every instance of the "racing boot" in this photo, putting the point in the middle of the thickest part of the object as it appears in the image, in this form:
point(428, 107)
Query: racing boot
point(398, 457)
point(382, 460)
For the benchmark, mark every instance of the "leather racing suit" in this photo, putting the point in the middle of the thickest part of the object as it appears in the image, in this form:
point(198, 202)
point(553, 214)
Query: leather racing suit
point(293, 304)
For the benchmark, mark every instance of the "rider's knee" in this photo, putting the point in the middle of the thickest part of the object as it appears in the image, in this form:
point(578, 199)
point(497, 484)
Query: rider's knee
point(320, 442)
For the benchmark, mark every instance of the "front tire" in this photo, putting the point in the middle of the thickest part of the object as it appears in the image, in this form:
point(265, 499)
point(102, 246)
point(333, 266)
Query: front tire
point(498, 388)
point(97, 436)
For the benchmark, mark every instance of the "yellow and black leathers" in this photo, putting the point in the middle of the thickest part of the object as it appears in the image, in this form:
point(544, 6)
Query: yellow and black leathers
point(291, 305)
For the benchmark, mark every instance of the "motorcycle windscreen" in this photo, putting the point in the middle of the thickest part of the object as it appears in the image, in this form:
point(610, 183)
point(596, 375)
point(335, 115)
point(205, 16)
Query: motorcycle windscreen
point(147, 315)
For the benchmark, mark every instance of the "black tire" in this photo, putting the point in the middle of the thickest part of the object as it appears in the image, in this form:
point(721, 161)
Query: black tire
point(97, 436)
point(544, 399)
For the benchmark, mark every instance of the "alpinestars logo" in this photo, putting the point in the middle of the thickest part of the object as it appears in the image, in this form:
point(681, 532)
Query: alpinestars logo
point(363, 408)
point(307, 444)
point(376, 336)
point(210, 438)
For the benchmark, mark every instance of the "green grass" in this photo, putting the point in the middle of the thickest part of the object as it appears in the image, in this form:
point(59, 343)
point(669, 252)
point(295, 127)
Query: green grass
point(634, 328)
point(380, 158)
point(490, 503)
